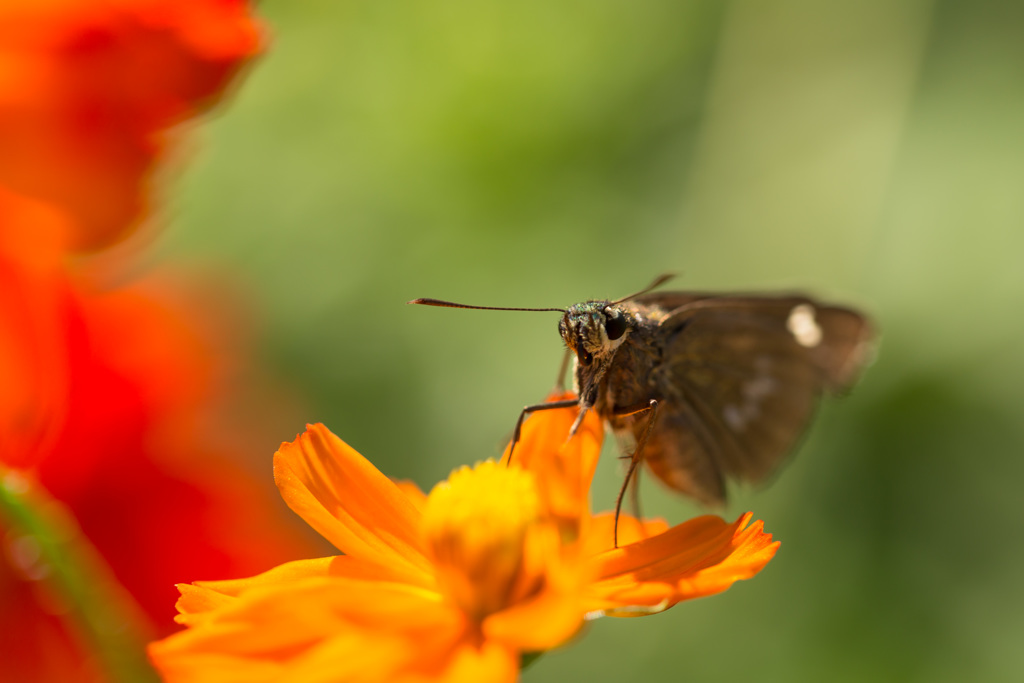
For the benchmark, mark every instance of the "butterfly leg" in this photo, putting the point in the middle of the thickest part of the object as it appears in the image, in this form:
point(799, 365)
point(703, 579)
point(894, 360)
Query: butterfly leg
point(634, 488)
point(634, 494)
point(552, 405)
point(652, 409)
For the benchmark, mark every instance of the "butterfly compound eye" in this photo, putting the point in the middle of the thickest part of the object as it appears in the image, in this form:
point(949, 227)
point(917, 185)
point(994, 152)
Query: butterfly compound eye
point(615, 327)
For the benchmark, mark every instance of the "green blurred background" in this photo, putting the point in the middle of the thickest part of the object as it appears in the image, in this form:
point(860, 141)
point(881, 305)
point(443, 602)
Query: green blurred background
point(538, 153)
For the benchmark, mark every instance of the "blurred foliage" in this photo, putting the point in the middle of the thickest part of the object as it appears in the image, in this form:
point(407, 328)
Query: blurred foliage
point(540, 153)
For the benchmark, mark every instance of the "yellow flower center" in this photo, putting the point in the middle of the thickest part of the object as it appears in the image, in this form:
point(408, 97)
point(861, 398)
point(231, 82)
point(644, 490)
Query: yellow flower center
point(476, 526)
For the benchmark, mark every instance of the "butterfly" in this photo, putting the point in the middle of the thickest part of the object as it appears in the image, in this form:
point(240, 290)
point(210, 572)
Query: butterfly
point(704, 387)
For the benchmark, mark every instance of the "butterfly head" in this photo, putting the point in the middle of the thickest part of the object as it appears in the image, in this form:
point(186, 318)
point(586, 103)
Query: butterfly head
point(593, 330)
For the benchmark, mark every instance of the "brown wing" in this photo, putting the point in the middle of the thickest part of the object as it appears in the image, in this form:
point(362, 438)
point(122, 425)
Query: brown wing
point(741, 377)
point(672, 300)
point(847, 335)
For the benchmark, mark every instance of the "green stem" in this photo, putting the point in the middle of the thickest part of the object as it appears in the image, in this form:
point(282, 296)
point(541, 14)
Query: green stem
point(46, 542)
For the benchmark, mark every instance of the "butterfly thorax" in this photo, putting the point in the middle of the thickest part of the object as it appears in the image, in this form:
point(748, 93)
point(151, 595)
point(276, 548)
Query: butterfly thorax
point(629, 382)
point(612, 346)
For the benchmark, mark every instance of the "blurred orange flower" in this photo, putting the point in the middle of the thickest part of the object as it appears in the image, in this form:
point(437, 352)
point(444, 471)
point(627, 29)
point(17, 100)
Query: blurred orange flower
point(89, 90)
point(456, 585)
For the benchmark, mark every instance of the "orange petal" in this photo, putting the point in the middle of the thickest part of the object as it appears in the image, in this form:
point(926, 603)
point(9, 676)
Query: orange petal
point(368, 658)
point(285, 573)
point(353, 655)
point(210, 667)
point(196, 601)
point(701, 557)
point(551, 616)
point(412, 492)
point(599, 534)
point(345, 498)
point(541, 623)
point(350, 655)
point(564, 467)
point(313, 629)
point(471, 664)
point(204, 596)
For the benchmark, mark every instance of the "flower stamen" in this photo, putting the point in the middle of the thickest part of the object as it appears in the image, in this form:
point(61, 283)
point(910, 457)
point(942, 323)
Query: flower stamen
point(475, 527)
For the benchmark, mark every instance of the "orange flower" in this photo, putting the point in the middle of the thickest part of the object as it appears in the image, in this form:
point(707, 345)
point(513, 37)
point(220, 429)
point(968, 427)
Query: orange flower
point(496, 562)
point(655, 567)
point(89, 89)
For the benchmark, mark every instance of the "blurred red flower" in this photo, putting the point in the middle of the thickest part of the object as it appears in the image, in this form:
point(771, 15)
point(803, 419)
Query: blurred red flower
point(107, 408)
point(90, 88)
point(108, 394)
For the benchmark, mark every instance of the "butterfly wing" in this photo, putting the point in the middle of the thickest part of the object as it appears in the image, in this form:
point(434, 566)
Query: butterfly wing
point(741, 377)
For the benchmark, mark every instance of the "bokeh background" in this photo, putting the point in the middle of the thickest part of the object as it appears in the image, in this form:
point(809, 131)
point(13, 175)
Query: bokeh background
point(539, 153)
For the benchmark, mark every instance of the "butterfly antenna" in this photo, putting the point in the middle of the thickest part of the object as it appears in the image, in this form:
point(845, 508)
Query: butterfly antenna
point(451, 304)
point(658, 282)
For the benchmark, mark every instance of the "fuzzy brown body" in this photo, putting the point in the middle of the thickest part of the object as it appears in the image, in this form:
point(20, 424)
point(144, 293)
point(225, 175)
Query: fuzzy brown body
point(736, 378)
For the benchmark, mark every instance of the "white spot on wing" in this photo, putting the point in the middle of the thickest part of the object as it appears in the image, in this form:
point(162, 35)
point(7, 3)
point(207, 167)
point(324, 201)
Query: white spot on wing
point(754, 392)
point(803, 326)
point(757, 388)
point(734, 417)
